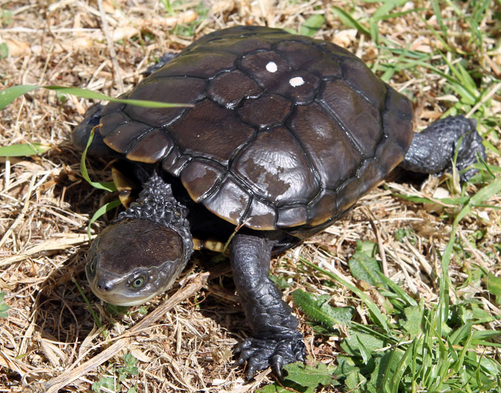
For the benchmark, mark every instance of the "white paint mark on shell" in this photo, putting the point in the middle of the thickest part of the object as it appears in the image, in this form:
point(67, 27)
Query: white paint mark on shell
point(271, 67)
point(296, 81)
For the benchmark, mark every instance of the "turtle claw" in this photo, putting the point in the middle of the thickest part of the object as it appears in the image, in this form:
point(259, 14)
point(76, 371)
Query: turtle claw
point(278, 364)
point(263, 353)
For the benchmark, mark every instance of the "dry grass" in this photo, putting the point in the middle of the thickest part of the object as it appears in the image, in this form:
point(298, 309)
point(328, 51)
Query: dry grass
point(45, 205)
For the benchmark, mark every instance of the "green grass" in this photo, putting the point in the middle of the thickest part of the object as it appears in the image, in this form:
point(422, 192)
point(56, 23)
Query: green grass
point(409, 345)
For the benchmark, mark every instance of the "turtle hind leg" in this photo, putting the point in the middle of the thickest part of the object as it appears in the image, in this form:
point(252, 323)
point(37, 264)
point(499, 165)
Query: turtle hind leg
point(433, 149)
point(275, 341)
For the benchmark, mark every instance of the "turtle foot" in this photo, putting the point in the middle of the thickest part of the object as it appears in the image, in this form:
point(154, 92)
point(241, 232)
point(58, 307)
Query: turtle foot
point(471, 150)
point(434, 149)
point(275, 353)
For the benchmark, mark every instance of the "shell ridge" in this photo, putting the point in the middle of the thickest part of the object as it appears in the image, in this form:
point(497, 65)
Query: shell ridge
point(380, 110)
point(240, 179)
point(245, 72)
point(245, 184)
point(341, 124)
point(274, 125)
point(242, 147)
point(245, 215)
point(137, 139)
point(214, 189)
point(384, 137)
point(309, 159)
point(238, 63)
point(214, 197)
point(186, 110)
point(160, 77)
point(126, 121)
point(353, 175)
point(381, 121)
point(364, 96)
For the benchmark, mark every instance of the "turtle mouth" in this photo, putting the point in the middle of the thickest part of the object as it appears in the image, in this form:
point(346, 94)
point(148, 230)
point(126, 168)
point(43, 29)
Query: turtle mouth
point(135, 288)
point(121, 299)
point(118, 295)
point(115, 291)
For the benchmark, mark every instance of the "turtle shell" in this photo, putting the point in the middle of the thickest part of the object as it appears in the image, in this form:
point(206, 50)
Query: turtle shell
point(284, 131)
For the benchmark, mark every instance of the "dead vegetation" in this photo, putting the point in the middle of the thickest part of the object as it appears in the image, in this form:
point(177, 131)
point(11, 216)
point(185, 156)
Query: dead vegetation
point(45, 205)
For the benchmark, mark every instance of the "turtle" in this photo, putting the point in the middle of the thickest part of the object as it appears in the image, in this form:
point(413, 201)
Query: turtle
point(281, 135)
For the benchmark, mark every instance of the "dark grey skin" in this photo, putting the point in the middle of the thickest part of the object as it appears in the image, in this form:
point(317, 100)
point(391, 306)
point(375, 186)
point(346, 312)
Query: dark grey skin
point(433, 149)
point(275, 340)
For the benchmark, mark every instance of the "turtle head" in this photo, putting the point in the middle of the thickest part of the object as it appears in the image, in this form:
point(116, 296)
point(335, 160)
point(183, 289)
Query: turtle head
point(132, 261)
point(141, 254)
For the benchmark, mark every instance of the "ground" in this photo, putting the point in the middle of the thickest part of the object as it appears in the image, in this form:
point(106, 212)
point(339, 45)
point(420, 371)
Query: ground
point(45, 205)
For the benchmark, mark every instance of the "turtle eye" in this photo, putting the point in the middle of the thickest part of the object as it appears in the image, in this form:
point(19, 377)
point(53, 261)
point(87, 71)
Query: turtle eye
point(138, 282)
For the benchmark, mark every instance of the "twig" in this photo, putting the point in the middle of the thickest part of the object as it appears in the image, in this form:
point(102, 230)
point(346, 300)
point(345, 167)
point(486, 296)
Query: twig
point(67, 377)
point(109, 41)
point(23, 212)
point(493, 91)
point(50, 245)
point(382, 253)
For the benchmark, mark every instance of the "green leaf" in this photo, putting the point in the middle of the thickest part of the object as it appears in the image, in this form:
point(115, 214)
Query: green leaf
point(364, 267)
point(363, 350)
point(4, 50)
point(11, 93)
point(445, 201)
point(312, 25)
point(362, 344)
point(130, 363)
point(130, 368)
point(354, 380)
point(414, 316)
point(308, 376)
point(403, 233)
point(401, 295)
point(104, 382)
point(319, 310)
point(349, 21)
point(92, 95)
point(274, 388)
point(494, 286)
point(167, 5)
point(24, 149)
point(3, 307)
point(379, 318)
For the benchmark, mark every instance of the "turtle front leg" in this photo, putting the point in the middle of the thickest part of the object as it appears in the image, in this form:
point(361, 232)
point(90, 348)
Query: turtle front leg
point(275, 340)
point(433, 149)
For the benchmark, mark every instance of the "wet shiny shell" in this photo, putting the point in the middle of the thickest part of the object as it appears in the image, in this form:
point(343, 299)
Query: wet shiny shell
point(286, 131)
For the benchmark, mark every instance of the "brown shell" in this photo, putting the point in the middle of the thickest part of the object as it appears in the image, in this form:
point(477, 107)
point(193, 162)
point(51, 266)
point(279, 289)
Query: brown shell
point(286, 131)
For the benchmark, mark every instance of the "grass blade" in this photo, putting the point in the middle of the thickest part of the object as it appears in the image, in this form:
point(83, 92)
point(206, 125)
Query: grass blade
point(24, 149)
point(108, 186)
point(378, 317)
point(10, 94)
point(101, 211)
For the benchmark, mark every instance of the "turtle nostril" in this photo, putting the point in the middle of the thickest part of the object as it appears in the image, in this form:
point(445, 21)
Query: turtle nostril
point(104, 286)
